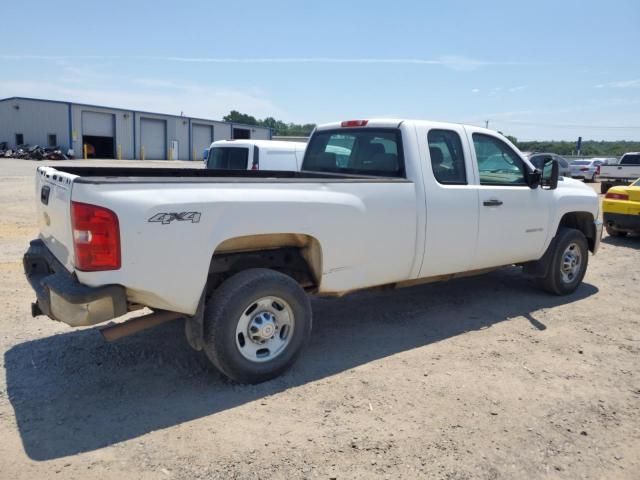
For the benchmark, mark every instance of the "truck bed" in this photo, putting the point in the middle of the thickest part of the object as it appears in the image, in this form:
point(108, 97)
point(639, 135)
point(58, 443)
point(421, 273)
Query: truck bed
point(100, 175)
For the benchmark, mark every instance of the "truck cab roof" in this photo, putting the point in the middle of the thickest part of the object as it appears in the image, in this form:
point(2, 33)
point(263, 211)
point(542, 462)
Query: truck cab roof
point(259, 143)
point(396, 123)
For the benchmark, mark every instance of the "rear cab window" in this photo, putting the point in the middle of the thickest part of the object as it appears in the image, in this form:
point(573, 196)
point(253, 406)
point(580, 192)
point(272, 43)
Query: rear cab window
point(228, 158)
point(630, 159)
point(356, 151)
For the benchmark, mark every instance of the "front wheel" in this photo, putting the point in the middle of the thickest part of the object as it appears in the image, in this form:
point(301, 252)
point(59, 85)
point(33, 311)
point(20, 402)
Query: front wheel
point(604, 188)
point(256, 324)
point(568, 263)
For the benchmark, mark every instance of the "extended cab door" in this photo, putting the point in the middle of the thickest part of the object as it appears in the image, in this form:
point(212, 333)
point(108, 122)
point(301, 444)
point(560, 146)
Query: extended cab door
point(451, 199)
point(513, 218)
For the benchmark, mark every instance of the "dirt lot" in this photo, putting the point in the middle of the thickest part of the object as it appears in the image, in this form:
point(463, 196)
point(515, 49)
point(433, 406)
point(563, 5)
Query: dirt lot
point(476, 378)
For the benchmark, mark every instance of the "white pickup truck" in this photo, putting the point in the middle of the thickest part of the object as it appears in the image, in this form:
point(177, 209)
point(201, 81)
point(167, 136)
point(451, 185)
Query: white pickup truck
point(625, 172)
point(237, 252)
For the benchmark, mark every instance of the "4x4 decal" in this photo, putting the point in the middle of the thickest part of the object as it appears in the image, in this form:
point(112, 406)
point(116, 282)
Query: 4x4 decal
point(167, 218)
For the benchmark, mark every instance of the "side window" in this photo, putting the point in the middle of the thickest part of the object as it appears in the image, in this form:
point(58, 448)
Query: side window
point(447, 159)
point(498, 164)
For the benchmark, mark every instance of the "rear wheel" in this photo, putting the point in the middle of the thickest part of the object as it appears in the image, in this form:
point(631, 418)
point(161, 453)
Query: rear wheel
point(568, 263)
point(256, 324)
point(613, 232)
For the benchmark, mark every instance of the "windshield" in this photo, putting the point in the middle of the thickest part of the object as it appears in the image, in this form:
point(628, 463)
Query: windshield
point(581, 162)
point(366, 151)
point(228, 158)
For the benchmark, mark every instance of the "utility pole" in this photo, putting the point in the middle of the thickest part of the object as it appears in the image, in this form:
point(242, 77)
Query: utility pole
point(579, 145)
point(486, 124)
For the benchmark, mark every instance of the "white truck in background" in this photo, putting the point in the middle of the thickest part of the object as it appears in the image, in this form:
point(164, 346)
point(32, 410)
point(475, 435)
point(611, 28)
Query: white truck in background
point(625, 172)
point(378, 203)
point(255, 155)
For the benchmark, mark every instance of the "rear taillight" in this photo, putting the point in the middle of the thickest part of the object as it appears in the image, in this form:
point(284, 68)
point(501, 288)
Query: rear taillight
point(584, 169)
point(96, 237)
point(598, 170)
point(354, 123)
point(616, 196)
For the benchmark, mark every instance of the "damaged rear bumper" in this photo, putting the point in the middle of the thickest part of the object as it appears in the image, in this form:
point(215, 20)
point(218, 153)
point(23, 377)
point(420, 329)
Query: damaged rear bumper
point(61, 297)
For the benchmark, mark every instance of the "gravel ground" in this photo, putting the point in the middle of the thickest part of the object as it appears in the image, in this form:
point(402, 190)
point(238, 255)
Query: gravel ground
point(483, 377)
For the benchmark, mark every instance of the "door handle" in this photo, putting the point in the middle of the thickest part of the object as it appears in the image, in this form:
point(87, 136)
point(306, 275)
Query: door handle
point(492, 203)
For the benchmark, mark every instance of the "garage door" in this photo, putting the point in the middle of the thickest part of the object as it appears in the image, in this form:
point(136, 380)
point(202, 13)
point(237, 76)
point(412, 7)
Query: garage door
point(202, 136)
point(153, 138)
point(98, 132)
point(98, 124)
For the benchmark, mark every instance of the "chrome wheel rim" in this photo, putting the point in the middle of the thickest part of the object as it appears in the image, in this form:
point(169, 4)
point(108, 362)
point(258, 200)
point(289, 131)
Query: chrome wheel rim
point(264, 330)
point(571, 263)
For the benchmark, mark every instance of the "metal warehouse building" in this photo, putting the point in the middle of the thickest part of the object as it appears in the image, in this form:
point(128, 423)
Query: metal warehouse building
point(114, 132)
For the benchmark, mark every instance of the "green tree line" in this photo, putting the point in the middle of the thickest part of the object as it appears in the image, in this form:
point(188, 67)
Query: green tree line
point(589, 148)
point(278, 126)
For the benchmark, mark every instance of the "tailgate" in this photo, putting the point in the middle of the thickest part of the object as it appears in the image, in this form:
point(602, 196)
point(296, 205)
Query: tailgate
point(53, 207)
point(608, 170)
point(620, 171)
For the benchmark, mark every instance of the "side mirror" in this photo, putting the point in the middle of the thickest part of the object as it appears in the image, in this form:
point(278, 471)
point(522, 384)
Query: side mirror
point(534, 178)
point(550, 174)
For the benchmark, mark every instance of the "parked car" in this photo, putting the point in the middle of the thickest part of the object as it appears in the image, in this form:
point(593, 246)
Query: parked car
point(621, 209)
point(237, 252)
point(585, 169)
point(538, 159)
point(255, 155)
point(608, 160)
point(626, 171)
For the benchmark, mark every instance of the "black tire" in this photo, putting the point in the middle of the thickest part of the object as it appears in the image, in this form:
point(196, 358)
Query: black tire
point(612, 232)
point(232, 300)
point(604, 188)
point(554, 282)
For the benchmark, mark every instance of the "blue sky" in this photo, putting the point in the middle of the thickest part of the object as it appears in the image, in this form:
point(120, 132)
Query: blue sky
point(536, 70)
